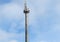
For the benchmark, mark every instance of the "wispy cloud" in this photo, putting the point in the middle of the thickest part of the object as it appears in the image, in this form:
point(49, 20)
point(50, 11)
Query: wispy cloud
point(43, 21)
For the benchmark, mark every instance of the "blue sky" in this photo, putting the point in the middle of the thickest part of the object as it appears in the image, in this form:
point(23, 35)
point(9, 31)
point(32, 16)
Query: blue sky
point(44, 21)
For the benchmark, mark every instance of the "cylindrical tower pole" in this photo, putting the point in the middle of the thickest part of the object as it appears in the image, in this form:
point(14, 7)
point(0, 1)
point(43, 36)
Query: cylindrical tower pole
point(26, 11)
point(26, 25)
point(26, 28)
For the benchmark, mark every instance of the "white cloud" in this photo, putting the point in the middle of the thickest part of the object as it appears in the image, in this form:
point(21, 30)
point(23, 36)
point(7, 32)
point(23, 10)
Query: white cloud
point(55, 27)
point(12, 11)
point(13, 41)
point(9, 37)
point(58, 8)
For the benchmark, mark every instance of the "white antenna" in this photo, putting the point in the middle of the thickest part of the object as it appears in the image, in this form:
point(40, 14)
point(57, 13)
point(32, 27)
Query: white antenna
point(26, 11)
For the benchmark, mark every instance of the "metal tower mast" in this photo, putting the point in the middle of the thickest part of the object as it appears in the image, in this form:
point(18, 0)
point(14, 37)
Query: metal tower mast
point(26, 11)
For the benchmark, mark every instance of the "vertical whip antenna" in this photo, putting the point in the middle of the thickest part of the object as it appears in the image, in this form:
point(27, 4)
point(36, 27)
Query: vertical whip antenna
point(25, 3)
point(26, 10)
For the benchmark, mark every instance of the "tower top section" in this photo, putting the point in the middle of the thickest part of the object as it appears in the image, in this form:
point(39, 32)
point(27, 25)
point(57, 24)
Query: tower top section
point(26, 10)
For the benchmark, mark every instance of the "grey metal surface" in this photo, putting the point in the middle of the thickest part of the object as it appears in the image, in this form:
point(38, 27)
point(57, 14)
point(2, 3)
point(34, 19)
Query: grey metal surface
point(26, 11)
